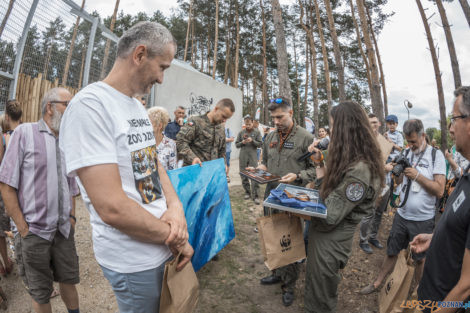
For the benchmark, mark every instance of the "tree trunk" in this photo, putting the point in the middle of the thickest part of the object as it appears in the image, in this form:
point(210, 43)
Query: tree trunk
point(208, 52)
point(237, 47)
point(325, 58)
point(359, 43)
point(7, 15)
point(450, 45)
point(254, 104)
point(265, 68)
point(108, 42)
point(202, 55)
point(216, 37)
point(337, 52)
point(303, 112)
point(297, 105)
point(227, 50)
point(379, 61)
point(281, 52)
point(437, 74)
point(193, 61)
point(82, 67)
point(466, 10)
point(187, 30)
point(316, 106)
point(47, 60)
point(376, 97)
point(69, 54)
point(313, 55)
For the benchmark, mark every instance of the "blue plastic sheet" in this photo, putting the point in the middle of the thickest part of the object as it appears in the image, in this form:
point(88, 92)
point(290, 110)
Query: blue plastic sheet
point(206, 202)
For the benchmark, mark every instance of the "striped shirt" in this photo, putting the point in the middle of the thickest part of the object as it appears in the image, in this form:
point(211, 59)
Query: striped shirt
point(31, 165)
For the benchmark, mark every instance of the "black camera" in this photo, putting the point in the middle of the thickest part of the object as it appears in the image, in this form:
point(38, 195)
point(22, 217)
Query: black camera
point(401, 163)
point(323, 144)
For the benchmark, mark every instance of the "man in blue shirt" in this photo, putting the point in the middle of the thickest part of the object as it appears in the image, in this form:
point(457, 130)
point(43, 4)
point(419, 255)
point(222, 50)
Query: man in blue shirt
point(172, 129)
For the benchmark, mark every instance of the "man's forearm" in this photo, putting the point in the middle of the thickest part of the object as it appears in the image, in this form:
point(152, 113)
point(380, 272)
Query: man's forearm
point(431, 186)
point(12, 207)
point(132, 219)
point(172, 199)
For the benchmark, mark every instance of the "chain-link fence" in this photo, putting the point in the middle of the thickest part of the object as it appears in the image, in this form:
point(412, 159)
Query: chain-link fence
point(50, 43)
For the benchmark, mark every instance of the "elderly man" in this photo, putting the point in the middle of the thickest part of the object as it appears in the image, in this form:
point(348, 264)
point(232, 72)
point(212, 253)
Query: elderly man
point(173, 128)
point(423, 183)
point(108, 142)
point(446, 275)
point(38, 197)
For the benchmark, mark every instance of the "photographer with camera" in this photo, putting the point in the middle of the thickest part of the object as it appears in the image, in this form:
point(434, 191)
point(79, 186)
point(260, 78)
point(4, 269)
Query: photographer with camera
point(420, 170)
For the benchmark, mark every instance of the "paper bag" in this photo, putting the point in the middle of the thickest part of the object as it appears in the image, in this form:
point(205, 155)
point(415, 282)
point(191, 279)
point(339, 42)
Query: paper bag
point(180, 290)
point(397, 285)
point(281, 239)
point(385, 147)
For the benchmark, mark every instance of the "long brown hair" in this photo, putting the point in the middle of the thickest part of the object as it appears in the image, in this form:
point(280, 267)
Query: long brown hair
point(352, 140)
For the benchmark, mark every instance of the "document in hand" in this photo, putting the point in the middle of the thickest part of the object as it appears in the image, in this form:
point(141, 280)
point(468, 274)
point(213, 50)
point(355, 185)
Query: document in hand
point(206, 202)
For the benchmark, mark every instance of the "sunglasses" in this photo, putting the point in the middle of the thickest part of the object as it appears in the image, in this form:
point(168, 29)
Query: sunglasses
point(65, 103)
point(277, 100)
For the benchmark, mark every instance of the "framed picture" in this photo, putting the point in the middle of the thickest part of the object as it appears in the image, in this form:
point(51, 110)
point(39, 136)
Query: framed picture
point(260, 176)
point(296, 199)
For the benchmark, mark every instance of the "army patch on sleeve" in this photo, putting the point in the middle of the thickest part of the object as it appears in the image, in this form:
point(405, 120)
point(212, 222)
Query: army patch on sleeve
point(190, 123)
point(355, 192)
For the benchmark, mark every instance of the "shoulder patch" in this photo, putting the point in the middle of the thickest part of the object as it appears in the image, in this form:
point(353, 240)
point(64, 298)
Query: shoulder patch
point(355, 192)
point(190, 123)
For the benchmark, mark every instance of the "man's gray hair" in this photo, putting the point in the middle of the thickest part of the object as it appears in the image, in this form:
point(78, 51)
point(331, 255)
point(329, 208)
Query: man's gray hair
point(51, 95)
point(151, 34)
point(413, 126)
point(463, 91)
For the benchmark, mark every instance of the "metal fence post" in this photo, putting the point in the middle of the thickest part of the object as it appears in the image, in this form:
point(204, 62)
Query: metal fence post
point(20, 50)
point(89, 53)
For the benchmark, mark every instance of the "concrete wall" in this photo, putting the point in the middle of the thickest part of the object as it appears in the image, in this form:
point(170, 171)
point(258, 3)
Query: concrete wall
point(198, 93)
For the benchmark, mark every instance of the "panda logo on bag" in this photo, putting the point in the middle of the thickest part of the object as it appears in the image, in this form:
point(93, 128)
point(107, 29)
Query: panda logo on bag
point(285, 243)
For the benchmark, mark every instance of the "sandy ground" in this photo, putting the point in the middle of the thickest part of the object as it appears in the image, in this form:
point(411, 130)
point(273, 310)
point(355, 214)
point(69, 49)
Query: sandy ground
point(228, 285)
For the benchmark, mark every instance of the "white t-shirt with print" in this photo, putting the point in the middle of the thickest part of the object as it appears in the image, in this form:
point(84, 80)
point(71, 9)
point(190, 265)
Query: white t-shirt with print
point(420, 205)
point(102, 126)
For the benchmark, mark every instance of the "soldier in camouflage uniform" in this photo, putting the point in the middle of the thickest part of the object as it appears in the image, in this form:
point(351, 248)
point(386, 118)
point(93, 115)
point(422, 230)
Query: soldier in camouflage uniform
point(350, 189)
point(281, 151)
point(248, 141)
point(203, 137)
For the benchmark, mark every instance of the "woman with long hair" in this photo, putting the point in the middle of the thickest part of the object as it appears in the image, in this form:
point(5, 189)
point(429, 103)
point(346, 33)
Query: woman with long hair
point(350, 184)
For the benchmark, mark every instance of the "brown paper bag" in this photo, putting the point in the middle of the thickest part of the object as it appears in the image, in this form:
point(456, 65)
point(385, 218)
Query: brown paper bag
point(281, 239)
point(385, 147)
point(398, 284)
point(180, 290)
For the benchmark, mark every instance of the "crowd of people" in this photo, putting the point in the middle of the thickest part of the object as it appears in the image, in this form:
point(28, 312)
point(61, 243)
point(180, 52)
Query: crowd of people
point(104, 145)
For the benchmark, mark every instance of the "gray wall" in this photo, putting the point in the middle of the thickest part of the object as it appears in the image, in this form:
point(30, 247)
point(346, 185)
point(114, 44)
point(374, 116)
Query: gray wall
point(198, 93)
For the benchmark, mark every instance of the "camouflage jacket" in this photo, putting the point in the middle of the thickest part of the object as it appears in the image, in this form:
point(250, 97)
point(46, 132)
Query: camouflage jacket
point(199, 138)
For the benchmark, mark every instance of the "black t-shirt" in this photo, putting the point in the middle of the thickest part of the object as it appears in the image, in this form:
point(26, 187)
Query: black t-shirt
point(445, 255)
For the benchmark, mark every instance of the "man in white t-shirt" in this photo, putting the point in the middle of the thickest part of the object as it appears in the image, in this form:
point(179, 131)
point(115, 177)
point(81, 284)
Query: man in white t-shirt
point(421, 185)
point(107, 138)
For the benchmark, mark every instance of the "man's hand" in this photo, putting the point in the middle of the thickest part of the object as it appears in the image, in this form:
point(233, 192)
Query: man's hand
point(186, 254)
point(72, 222)
point(197, 161)
point(388, 167)
point(261, 167)
point(411, 173)
point(448, 155)
point(249, 139)
point(288, 178)
point(24, 231)
point(180, 121)
point(178, 227)
point(420, 243)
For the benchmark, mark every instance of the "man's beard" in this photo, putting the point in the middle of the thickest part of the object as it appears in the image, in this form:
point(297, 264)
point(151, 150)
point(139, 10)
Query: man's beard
point(55, 120)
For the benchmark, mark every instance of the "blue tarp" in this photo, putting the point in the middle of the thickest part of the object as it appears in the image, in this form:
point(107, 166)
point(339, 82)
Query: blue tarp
point(206, 202)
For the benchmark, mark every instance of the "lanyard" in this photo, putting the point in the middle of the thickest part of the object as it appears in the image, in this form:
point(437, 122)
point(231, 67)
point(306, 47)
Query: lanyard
point(420, 157)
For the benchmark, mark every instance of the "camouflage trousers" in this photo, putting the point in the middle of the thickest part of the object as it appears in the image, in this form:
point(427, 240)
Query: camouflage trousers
point(250, 186)
point(328, 253)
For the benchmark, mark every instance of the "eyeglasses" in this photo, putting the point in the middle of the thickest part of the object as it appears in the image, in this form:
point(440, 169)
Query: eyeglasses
point(277, 100)
point(65, 103)
point(454, 118)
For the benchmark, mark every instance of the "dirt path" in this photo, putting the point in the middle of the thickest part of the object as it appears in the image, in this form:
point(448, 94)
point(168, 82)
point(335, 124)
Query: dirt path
point(228, 285)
